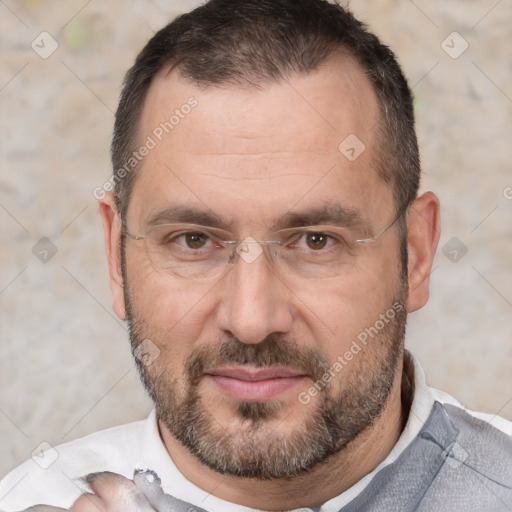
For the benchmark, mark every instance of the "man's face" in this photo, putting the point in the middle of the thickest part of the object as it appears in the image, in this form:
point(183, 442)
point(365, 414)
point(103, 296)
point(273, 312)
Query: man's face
point(239, 354)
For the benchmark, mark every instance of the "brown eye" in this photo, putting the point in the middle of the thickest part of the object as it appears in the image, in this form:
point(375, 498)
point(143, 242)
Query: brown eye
point(195, 240)
point(316, 240)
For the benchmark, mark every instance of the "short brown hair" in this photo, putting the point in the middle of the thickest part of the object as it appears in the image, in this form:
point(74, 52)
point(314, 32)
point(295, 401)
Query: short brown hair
point(253, 42)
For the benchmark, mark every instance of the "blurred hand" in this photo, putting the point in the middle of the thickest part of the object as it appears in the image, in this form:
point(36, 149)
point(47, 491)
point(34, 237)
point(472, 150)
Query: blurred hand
point(112, 493)
point(115, 493)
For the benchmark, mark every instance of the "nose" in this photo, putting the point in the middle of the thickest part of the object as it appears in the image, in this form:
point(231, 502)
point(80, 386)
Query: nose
point(254, 301)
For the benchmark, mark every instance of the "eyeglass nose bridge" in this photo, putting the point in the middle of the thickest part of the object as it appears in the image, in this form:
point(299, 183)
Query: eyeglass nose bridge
point(249, 249)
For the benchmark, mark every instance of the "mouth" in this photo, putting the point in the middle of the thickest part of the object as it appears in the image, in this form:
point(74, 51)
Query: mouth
point(255, 384)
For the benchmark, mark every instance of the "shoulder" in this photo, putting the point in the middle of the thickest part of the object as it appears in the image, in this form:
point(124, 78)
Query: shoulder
point(474, 461)
point(466, 455)
point(492, 420)
point(484, 442)
point(53, 477)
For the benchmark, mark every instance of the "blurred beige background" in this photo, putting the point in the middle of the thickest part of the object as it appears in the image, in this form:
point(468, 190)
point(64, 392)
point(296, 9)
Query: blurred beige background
point(65, 366)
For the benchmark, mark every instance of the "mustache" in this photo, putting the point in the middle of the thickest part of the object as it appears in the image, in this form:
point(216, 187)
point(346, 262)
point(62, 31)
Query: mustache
point(272, 351)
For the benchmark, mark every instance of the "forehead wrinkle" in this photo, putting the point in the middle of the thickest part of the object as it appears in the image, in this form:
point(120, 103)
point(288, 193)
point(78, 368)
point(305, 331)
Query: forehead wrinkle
point(256, 178)
point(226, 146)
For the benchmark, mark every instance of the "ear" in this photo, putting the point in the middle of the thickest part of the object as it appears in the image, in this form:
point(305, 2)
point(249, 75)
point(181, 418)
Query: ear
point(111, 220)
point(423, 226)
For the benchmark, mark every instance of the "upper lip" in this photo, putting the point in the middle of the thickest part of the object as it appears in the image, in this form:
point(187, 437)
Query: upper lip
point(254, 374)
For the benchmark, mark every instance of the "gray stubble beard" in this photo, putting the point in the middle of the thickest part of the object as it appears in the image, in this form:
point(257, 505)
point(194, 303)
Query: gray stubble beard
point(252, 451)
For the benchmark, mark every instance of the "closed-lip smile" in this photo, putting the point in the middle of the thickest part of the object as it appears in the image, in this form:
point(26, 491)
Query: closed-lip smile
point(255, 384)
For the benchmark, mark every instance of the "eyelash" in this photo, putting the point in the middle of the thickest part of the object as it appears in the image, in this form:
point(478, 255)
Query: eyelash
point(294, 240)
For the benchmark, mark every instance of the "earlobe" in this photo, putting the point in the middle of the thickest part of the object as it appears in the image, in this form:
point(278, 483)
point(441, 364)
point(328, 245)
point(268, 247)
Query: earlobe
point(423, 225)
point(111, 220)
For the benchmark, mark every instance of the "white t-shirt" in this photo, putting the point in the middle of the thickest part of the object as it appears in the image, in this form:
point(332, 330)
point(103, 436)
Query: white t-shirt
point(138, 445)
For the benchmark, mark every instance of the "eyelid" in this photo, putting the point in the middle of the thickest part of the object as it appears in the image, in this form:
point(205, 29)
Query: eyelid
point(221, 235)
point(324, 229)
point(192, 228)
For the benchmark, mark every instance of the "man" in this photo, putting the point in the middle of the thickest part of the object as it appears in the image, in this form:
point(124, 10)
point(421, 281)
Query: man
point(266, 242)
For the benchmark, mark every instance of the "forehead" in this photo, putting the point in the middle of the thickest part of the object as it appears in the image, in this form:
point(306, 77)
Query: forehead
point(256, 147)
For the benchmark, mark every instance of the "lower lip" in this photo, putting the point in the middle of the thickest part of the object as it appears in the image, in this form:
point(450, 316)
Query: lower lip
point(257, 390)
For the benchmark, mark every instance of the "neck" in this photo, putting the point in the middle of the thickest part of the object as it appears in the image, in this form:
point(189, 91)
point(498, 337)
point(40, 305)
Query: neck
point(313, 488)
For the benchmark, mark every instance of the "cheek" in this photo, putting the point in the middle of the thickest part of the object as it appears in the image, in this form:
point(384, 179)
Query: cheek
point(171, 312)
point(337, 311)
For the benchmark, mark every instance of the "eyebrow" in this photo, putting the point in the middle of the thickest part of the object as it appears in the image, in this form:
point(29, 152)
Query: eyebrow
point(327, 213)
point(187, 215)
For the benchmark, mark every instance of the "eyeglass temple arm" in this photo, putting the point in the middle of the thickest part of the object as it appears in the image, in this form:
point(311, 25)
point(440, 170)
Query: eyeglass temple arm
point(382, 231)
